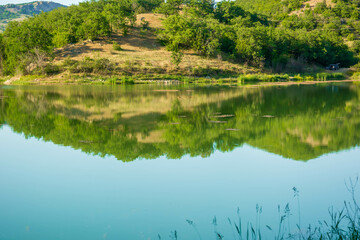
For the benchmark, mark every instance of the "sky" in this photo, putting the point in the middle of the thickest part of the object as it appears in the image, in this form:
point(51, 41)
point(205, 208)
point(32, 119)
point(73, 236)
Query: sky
point(65, 2)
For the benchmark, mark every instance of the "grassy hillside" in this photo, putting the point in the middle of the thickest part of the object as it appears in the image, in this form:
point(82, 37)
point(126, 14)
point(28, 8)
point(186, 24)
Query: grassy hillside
point(116, 42)
point(20, 11)
point(142, 54)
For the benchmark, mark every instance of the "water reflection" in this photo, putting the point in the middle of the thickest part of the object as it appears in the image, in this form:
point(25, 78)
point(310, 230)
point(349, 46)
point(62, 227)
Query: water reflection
point(297, 122)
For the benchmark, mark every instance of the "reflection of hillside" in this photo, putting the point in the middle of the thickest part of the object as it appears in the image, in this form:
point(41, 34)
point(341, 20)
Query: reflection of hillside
point(295, 122)
point(93, 104)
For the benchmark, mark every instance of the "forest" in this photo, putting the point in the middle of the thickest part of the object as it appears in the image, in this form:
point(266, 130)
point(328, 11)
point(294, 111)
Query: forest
point(263, 34)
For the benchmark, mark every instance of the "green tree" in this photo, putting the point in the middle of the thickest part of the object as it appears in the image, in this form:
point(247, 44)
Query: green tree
point(1, 53)
point(94, 26)
point(227, 10)
point(202, 35)
point(201, 8)
point(170, 7)
point(148, 5)
point(120, 14)
point(21, 38)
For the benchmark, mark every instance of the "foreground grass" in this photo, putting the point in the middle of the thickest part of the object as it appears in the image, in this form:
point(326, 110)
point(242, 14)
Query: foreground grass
point(343, 224)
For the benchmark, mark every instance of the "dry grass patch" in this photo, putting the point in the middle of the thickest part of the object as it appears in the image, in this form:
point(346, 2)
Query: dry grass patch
point(312, 4)
point(141, 53)
point(155, 20)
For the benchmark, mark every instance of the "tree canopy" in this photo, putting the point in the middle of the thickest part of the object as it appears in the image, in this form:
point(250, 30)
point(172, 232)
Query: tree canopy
point(256, 38)
point(88, 20)
point(260, 33)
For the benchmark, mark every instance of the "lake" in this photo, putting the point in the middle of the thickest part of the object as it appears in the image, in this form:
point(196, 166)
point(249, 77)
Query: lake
point(143, 161)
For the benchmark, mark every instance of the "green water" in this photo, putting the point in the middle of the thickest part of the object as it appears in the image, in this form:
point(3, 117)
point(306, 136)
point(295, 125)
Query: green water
point(73, 157)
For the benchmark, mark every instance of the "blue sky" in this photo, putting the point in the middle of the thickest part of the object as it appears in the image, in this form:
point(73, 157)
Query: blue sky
point(65, 2)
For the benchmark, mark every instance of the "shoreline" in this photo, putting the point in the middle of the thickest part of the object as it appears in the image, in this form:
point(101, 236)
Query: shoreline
point(306, 82)
point(263, 79)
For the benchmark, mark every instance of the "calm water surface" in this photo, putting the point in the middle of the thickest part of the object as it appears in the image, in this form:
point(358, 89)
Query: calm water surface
point(81, 162)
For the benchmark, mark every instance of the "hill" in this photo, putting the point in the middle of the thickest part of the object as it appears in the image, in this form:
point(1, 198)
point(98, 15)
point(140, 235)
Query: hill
point(141, 53)
point(119, 41)
point(19, 11)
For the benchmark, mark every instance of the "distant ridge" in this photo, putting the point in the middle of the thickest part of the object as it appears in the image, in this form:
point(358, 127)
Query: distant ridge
point(10, 12)
point(16, 10)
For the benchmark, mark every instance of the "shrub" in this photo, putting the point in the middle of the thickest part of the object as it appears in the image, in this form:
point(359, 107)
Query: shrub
point(68, 62)
point(50, 69)
point(262, 77)
point(351, 37)
point(329, 76)
point(33, 62)
point(176, 58)
point(144, 23)
point(121, 80)
point(102, 65)
point(89, 65)
point(116, 47)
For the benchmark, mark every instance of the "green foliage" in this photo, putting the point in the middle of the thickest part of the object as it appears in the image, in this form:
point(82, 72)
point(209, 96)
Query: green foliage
point(122, 80)
point(231, 12)
point(200, 8)
point(2, 46)
point(144, 23)
point(255, 39)
point(262, 33)
point(329, 76)
point(34, 62)
point(88, 20)
point(285, 77)
point(22, 39)
point(262, 77)
point(170, 7)
point(116, 47)
point(120, 14)
point(270, 7)
point(148, 5)
point(94, 26)
point(89, 65)
point(202, 35)
point(176, 57)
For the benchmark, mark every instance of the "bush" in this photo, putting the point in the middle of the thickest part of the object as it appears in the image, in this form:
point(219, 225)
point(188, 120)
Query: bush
point(51, 69)
point(89, 65)
point(262, 78)
point(144, 23)
point(33, 62)
point(22, 42)
point(103, 65)
point(68, 62)
point(351, 37)
point(116, 47)
point(121, 80)
point(176, 58)
point(329, 76)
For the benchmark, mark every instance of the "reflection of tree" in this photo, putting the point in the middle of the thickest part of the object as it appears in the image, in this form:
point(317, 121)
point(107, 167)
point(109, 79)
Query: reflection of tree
point(295, 122)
